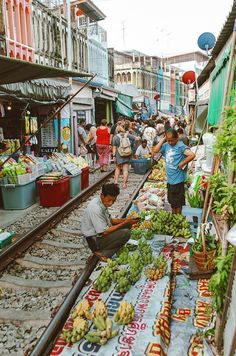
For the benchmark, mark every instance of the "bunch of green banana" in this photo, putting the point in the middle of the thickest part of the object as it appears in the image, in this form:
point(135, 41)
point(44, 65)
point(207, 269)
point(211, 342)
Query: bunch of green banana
point(82, 310)
point(102, 283)
point(125, 313)
point(135, 267)
point(112, 264)
point(77, 332)
point(100, 309)
point(123, 256)
point(119, 274)
point(104, 331)
point(136, 234)
point(134, 275)
point(123, 285)
point(146, 252)
point(106, 272)
point(148, 234)
point(171, 224)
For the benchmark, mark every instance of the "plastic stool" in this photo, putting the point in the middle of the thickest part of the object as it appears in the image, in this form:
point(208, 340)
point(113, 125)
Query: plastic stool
point(187, 211)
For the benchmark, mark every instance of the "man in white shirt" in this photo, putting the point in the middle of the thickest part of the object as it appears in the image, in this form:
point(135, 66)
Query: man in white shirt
point(143, 151)
point(105, 235)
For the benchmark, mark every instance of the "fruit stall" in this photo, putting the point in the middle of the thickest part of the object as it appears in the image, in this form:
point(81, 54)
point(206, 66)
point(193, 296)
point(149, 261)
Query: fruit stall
point(172, 288)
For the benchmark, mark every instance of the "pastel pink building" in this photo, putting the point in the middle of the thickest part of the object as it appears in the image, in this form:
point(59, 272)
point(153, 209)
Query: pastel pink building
point(19, 29)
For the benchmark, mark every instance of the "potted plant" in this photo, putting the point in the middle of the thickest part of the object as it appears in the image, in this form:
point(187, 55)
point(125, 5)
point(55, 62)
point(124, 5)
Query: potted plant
point(205, 250)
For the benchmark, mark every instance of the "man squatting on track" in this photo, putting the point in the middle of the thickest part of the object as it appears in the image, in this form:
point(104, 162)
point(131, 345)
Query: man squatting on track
point(177, 156)
point(105, 235)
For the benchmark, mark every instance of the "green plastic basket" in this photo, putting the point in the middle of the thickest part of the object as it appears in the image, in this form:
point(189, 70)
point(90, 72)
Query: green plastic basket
point(75, 185)
point(18, 197)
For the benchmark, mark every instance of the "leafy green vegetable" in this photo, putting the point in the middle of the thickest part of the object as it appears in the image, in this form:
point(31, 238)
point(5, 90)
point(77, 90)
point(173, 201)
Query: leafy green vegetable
point(211, 243)
point(226, 137)
point(195, 199)
point(224, 197)
point(219, 281)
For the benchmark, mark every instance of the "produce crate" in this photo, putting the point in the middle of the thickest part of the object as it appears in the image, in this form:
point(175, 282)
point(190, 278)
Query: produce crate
point(54, 193)
point(75, 185)
point(5, 238)
point(141, 165)
point(18, 197)
point(84, 178)
point(194, 216)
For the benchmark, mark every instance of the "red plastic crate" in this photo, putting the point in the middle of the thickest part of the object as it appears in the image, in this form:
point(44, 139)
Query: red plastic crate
point(54, 193)
point(84, 178)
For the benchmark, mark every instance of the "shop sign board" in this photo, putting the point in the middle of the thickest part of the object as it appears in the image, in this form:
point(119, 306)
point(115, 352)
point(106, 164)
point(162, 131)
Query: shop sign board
point(66, 137)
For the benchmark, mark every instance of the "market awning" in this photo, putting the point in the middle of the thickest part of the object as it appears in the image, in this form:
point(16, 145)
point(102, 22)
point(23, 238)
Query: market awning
point(15, 70)
point(42, 91)
point(124, 104)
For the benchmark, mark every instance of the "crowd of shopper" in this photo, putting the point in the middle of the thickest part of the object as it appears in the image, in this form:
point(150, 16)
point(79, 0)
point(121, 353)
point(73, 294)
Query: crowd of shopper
point(127, 139)
point(124, 141)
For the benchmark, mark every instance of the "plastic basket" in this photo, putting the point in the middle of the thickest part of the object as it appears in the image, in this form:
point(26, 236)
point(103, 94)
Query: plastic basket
point(18, 197)
point(141, 165)
point(75, 185)
point(54, 193)
point(84, 178)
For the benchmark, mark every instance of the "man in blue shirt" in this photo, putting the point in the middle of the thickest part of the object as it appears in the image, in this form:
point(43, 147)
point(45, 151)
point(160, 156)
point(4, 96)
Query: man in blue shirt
point(177, 155)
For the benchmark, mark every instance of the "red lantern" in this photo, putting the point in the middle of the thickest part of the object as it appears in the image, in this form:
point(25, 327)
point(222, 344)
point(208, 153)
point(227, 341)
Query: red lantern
point(189, 77)
point(79, 12)
point(157, 97)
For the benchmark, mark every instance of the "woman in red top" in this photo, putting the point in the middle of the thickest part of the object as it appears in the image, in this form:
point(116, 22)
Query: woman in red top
point(103, 145)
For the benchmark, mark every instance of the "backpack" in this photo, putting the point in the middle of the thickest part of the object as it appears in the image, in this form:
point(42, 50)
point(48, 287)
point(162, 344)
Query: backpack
point(124, 149)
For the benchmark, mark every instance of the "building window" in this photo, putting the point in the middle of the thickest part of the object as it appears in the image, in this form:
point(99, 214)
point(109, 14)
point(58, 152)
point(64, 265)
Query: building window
point(124, 79)
point(129, 78)
point(118, 78)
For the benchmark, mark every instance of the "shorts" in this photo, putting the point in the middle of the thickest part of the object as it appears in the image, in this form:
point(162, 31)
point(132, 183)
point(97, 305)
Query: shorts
point(176, 195)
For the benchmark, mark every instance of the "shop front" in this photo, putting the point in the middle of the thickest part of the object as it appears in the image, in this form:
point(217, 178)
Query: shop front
point(24, 107)
point(104, 101)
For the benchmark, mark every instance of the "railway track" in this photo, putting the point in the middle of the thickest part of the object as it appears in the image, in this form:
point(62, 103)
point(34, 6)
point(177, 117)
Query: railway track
point(38, 269)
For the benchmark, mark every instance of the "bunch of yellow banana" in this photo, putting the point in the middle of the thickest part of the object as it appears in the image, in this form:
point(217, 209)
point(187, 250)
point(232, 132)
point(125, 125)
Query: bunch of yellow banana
point(77, 332)
point(100, 309)
point(125, 313)
point(82, 310)
point(104, 331)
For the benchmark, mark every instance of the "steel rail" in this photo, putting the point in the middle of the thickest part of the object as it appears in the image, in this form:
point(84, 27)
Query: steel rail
point(13, 251)
point(47, 340)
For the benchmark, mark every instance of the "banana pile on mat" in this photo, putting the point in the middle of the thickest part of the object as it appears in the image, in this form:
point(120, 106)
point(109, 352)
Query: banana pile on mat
point(125, 313)
point(99, 320)
point(104, 331)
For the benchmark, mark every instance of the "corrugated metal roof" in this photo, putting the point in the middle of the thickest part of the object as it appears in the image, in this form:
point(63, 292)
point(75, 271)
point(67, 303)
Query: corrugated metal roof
point(225, 32)
point(91, 10)
point(221, 41)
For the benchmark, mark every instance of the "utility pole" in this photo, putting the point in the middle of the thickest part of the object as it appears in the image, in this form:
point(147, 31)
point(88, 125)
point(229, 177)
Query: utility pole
point(123, 31)
point(69, 39)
